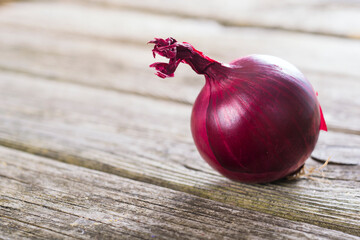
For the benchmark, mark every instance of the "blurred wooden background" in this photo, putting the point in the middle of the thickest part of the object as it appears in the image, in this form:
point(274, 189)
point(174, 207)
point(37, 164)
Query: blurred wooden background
point(94, 146)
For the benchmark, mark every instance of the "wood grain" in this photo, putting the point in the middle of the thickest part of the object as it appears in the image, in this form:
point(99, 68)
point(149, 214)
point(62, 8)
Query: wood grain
point(69, 48)
point(75, 87)
point(41, 198)
point(123, 134)
point(340, 148)
point(113, 25)
point(334, 18)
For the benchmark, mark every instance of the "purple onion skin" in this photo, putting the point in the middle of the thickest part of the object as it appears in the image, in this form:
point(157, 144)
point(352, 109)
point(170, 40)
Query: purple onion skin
point(256, 120)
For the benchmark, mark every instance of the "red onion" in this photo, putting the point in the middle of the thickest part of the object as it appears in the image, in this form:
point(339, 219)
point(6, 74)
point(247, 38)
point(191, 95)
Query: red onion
point(256, 119)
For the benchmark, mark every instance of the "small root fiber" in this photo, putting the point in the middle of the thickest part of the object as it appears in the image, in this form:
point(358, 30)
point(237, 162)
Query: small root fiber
point(307, 173)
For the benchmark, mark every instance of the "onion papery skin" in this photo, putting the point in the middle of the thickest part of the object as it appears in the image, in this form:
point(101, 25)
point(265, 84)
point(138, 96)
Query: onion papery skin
point(256, 119)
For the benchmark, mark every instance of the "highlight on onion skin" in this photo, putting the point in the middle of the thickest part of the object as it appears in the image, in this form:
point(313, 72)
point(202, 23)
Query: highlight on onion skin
point(256, 119)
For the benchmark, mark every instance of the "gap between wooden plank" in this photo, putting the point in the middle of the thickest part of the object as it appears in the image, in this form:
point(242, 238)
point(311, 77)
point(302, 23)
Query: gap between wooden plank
point(155, 147)
point(83, 61)
point(334, 127)
point(61, 46)
point(264, 14)
point(42, 198)
point(112, 24)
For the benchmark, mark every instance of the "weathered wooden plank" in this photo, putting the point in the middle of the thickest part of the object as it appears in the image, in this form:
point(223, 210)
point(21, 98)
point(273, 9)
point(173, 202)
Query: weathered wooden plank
point(149, 140)
point(124, 67)
point(340, 148)
point(337, 18)
point(44, 199)
point(328, 53)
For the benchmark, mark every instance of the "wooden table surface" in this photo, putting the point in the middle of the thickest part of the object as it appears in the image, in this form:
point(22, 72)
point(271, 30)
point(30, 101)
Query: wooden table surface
point(94, 146)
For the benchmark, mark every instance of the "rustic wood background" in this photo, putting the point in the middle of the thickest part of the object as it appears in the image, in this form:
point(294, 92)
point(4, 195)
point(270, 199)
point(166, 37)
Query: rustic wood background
point(94, 146)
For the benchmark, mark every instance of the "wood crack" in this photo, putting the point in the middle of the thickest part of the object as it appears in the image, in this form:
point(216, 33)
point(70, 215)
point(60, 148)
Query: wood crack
point(38, 226)
point(58, 210)
point(295, 212)
point(220, 21)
